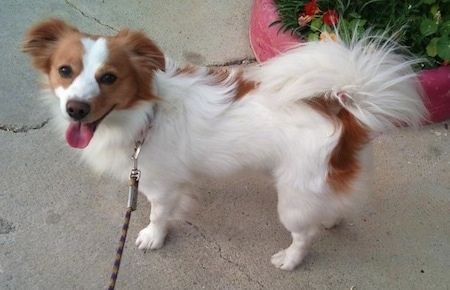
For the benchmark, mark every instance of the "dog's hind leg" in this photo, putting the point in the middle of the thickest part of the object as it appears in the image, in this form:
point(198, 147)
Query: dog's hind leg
point(301, 213)
point(292, 256)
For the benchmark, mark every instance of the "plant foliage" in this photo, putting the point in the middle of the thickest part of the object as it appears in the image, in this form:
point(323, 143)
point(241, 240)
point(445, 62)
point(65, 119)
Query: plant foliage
point(422, 25)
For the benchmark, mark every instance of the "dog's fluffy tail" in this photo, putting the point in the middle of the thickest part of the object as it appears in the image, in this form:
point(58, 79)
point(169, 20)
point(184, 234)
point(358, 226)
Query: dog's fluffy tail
point(368, 77)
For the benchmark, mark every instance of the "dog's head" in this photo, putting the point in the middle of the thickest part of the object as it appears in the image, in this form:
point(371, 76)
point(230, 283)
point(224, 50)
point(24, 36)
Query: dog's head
point(93, 75)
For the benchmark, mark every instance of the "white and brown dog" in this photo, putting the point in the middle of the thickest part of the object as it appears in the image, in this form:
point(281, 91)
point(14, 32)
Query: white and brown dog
point(306, 117)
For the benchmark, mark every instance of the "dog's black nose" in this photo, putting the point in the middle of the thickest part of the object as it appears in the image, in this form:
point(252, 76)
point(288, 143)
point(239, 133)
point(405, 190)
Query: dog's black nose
point(77, 110)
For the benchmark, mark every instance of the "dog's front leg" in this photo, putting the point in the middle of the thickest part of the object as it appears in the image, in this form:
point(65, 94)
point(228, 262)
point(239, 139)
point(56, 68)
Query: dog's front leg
point(163, 204)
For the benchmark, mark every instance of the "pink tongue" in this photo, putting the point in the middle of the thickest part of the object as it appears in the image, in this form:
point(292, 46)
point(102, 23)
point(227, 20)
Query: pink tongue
point(78, 135)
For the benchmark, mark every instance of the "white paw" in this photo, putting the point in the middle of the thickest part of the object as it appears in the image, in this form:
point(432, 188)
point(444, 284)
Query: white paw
point(151, 238)
point(331, 223)
point(288, 259)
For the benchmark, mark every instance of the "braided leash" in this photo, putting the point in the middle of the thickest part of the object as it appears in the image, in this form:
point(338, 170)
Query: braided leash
point(123, 237)
point(132, 204)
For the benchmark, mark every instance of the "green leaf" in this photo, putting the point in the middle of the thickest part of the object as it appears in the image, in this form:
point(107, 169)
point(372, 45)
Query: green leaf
point(428, 27)
point(354, 15)
point(313, 36)
point(343, 24)
point(357, 23)
point(432, 47)
point(443, 48)
point(444, 28)
point(316, 24)
point(428, 1)
point(357, 26)
point(362, 22)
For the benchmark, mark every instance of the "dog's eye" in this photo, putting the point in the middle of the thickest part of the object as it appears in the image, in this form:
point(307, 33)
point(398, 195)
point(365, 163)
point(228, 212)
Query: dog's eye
point(107, 79)
point(65, 71)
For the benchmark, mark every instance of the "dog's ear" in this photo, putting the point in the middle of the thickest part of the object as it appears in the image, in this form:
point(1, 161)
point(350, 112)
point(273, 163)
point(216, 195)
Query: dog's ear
point(143, 51)
point(40, 41)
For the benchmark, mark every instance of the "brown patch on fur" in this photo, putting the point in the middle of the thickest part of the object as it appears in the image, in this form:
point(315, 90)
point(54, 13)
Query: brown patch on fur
point(135, 59)
point(188, 69)
point(344, 164)
point(223, 76)
point(243, 87)
point(128, 88)
point(69, 51)
point(220, 75)
point(42, 39)
point(141, 49)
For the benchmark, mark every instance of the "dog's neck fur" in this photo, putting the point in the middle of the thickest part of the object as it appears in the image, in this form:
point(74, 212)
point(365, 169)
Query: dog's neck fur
point(116, 137)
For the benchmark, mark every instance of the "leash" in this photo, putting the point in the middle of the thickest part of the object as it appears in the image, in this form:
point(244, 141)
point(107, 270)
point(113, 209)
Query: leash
point(133, 185)
point(133, 190)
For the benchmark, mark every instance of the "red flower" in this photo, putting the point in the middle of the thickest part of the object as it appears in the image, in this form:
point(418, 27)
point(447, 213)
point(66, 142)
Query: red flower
point(330, 17)
point(311, 8)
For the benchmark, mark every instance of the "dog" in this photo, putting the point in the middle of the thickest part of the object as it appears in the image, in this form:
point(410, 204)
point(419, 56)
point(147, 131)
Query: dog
point(306, 117)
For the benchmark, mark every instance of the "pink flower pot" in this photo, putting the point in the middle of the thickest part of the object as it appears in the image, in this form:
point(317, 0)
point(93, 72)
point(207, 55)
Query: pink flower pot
point(436, 86)
point(267, 42)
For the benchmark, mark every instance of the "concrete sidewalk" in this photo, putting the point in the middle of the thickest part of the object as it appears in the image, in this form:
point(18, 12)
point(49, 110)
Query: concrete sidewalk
point(59, 225)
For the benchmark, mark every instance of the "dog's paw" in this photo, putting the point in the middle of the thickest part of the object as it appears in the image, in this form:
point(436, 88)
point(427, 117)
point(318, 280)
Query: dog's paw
point(288, 259)
point(331, 223)
point(151, 238)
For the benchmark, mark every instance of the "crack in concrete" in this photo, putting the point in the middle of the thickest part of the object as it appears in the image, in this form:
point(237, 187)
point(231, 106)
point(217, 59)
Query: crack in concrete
point(73, 6)
point(23, 129)
point(219, 251)
point(241, 61)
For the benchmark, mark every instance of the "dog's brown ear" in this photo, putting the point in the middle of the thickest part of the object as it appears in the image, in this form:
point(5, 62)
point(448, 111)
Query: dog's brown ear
point(40, 41)
point(143, 50)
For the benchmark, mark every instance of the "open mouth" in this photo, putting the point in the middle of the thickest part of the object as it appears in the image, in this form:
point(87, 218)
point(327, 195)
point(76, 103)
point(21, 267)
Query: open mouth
point(79, 134)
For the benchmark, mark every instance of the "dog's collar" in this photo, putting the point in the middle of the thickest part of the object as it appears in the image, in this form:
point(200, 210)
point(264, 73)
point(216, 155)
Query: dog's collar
point(142, 136)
